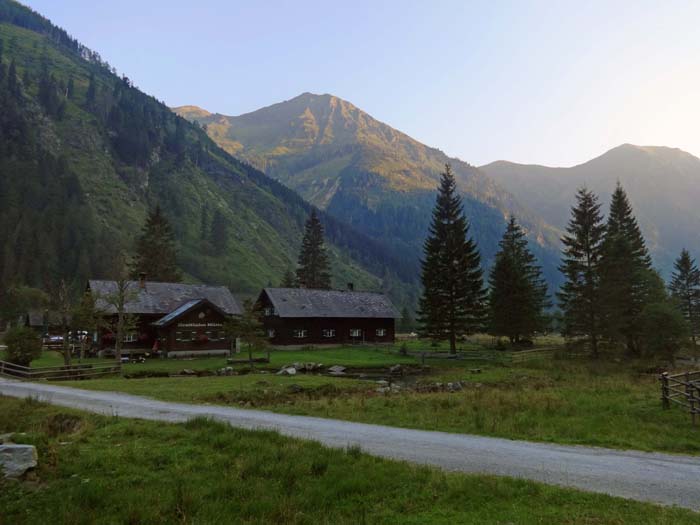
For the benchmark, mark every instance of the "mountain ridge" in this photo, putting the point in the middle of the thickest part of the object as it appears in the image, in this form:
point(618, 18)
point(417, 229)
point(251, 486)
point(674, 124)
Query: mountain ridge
point(368, 174)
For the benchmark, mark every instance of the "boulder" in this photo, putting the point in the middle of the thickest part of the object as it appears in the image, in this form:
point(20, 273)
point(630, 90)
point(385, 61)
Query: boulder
point(289, 371)
point(396, 370)
point(337, 369)
point(6, 438)
point(15, 460)
point(188, 372)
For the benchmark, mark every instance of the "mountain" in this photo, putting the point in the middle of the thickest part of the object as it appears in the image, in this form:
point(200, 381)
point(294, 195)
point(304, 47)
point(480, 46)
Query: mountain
point(362, 171)
point(84, 154)
point(663, 185)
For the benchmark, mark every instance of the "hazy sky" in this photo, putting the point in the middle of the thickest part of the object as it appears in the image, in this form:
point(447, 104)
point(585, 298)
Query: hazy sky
point(554, 82)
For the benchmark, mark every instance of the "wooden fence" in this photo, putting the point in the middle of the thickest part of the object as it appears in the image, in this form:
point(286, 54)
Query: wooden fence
point(498, 356)
point(682, 389)
point(58, 373)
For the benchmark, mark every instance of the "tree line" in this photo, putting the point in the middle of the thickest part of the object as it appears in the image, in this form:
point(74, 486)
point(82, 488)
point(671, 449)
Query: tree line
point(611, 293)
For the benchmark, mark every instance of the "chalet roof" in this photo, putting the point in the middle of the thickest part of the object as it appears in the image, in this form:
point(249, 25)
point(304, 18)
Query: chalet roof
point(303, 302)
point(36, 318)
point(163, 298)
point(183, 309)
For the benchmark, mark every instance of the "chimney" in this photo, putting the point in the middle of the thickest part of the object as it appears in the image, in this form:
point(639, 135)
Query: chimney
point(142, 280)
point(351, 287)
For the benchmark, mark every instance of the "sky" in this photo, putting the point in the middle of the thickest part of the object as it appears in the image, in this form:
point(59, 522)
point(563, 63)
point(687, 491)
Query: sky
point(554, 83)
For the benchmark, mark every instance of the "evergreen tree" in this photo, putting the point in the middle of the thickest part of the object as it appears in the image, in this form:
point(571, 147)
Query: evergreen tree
point(219, 232)
point(12, 84)
point(453, 297)
point(288, 280)
point(91, 95)
point(70, 89)
point(406, 322)
point(518, 293)
point(625, 274)
point(579, 295)
point(314, 267)
point(685, 289)
point(156, 254)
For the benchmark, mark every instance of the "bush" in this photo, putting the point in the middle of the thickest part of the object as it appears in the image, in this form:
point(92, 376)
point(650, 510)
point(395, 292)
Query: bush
point(23, 345)
point(665, 330)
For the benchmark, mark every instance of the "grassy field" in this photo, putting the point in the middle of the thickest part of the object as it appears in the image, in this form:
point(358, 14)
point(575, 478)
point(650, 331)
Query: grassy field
point(95, 469)
point(611, 403)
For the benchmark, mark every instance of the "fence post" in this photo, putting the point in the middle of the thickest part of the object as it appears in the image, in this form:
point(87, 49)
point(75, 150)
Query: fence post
point(664, 390)
point(691, 402)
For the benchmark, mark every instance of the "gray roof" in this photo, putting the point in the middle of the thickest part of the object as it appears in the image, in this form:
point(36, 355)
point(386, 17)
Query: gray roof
point(189, 305)
point(303, 302)
point(36, 318)
point(163, 298)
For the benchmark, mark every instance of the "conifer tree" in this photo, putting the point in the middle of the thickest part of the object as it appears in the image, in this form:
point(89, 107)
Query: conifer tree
point(219, 232)
point(314, 267)
point(579, 295)
point(626, 279)
point(289, 280)
point(156, 254)
point(453, 297)
point(518, 293)
point(685, 289)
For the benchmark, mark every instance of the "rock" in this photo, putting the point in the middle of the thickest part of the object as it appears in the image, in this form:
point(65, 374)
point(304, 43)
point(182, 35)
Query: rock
point(383, 382)
point(6, 438)
point(396, 369)
point(295, 389)
point(188, 372)
point(291, 371)
point(383, 390)
point(337, 370)
point(15, 460)
point(475, 370)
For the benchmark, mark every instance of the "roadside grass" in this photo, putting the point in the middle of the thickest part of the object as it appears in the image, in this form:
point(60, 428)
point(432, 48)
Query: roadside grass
point(100, 469)
point(598, 403)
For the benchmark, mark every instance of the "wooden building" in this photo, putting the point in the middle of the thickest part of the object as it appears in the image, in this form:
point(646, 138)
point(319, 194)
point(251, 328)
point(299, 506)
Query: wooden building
point(173, 319)
point(299, 316)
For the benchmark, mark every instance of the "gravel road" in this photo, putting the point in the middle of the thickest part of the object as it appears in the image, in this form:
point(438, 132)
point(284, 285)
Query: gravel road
point(662, 478)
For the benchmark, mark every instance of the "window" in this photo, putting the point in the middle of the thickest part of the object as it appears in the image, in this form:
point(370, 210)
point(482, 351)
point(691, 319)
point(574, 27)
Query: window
point(329, 332)
point(178, 336)
point(299, 333)
point(193, 336)
point(211, 335)
point(130, 338)
point(356, 332)
point(270, 333)
point(381, 332)
point(222, 335)
point(269, 310)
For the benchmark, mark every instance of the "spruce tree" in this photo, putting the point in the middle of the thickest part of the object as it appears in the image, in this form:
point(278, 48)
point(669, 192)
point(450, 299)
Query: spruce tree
point(626, 278)
point(518, 293)
point(156, 254)
point(289, 280)
point(219, 232)
point(685, 289)
point(453, 297)
point(579, 295)
point(314, 267)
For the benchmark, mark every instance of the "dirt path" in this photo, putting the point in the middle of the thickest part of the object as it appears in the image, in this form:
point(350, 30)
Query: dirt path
point(661, 478)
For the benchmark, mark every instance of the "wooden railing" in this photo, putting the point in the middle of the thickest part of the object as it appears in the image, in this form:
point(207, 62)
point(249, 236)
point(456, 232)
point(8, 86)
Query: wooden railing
point(499, 356)
point(682, 389)
point(58, 373)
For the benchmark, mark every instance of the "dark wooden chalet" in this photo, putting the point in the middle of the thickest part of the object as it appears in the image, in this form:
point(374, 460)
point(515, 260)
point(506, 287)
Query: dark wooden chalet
point(43, 322)
point(175, 319)
point(299, 316)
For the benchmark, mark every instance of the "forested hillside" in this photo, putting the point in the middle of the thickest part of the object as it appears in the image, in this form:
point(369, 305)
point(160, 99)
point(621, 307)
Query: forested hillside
point(84, 154)
point(370, 175)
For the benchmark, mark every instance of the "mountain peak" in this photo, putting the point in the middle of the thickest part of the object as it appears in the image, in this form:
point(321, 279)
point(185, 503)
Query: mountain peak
point(191, 112)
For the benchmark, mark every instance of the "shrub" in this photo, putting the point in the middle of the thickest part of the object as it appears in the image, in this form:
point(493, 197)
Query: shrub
point(23, 345)
point(664, 329)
